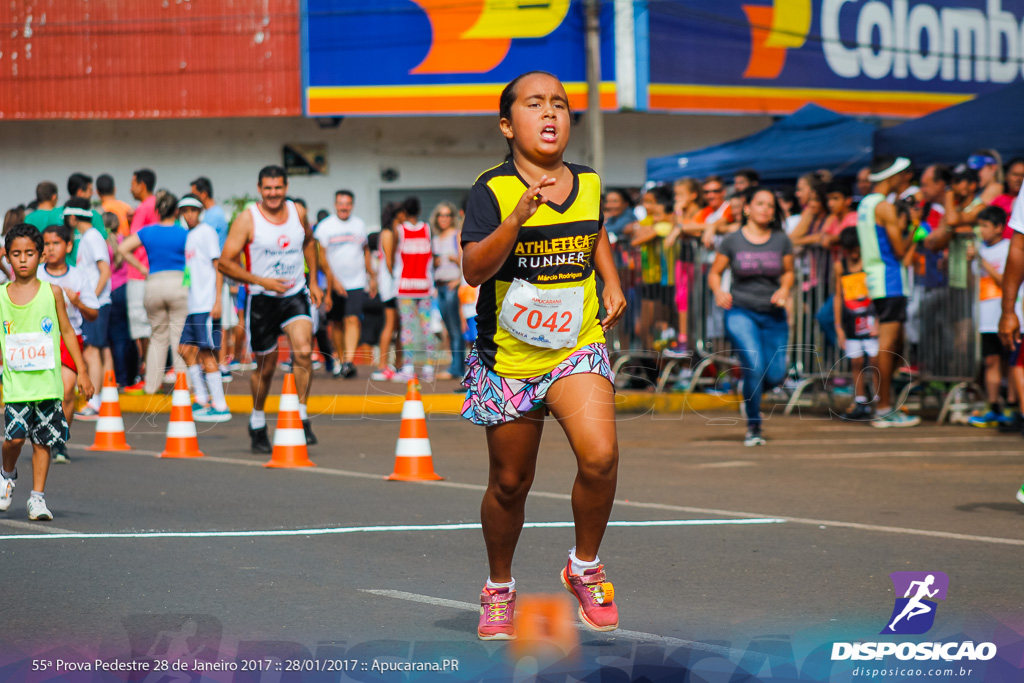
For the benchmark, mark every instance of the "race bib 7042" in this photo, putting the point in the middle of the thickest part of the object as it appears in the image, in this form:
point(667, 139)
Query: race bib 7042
point(29, 352)
point(550, 318)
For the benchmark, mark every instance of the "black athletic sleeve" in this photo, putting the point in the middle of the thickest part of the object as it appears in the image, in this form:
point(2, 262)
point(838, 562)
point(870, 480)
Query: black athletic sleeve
point(482, 214)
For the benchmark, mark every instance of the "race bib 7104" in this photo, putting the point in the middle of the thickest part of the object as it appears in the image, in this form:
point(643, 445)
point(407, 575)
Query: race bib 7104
point(29, 352)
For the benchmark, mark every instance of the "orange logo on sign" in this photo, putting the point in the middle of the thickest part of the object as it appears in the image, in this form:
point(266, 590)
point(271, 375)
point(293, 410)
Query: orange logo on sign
point(474, 36)
point(773, 30)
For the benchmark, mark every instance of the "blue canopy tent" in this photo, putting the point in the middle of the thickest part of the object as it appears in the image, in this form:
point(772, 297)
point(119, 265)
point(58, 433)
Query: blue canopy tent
point(950, 135)
point(806, 140)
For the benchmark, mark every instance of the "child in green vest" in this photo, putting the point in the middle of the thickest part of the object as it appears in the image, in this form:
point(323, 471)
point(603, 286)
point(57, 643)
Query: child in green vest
point(34, 322)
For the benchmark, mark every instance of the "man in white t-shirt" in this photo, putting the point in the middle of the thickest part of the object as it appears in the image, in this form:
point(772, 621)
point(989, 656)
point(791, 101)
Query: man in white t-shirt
point(1013, 274)
point(345, 259)
point(93, 260)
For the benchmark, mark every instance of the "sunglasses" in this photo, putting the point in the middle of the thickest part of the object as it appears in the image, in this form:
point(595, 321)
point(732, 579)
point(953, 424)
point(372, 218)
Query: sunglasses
point(710, 190)
point(444, 215)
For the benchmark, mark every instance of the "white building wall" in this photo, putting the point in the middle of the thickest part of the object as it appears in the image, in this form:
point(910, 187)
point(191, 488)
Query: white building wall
point(439, 152)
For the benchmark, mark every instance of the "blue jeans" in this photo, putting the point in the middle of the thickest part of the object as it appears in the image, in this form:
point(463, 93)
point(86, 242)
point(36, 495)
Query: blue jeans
point(448, 302)
point(826, 317)
point(760, 340)
point(122, 346)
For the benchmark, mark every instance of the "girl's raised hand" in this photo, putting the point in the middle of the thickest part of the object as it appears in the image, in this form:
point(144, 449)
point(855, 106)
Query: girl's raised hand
point(532, 199)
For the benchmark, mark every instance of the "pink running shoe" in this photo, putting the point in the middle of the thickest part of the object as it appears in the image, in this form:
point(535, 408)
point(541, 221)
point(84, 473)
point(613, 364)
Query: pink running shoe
point(497, 608)
point(596, 596)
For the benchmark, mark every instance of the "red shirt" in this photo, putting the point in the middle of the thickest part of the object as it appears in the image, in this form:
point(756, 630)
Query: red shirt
point(415, 248)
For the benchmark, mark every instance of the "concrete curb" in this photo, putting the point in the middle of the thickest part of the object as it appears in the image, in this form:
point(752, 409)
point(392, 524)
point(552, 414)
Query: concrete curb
point(391, 404)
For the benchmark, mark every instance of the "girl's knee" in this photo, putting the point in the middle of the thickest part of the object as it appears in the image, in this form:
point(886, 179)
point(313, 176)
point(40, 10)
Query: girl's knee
point(600, 463)
point(511, 486)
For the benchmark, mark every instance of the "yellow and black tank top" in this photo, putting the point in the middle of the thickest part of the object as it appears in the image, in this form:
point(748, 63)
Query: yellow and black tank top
point(555, 249)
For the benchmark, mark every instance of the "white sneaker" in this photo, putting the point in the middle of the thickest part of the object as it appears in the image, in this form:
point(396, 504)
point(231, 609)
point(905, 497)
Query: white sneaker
point(211, 414)
point(407, 373)
point(170, 377)
point(6, 492)
point(37, 510)
point(428, 374)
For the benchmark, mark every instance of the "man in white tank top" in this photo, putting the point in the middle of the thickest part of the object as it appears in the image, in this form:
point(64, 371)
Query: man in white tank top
point(278, 244)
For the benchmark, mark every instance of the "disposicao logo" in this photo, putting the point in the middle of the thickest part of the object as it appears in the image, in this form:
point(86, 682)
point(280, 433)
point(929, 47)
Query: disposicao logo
point(913, 614)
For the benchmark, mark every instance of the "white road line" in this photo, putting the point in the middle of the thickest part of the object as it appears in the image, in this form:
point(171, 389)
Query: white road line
point(727, 463)
point(333, 531)
point(859, 442)
point(649, 506)
point(903, 454)
point(620, 633)
point(35, 526)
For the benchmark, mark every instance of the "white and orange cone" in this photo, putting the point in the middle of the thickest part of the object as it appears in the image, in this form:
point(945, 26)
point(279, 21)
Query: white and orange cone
point(413, 458)
point(289, 437)
point(182, 441)
point(110, 425)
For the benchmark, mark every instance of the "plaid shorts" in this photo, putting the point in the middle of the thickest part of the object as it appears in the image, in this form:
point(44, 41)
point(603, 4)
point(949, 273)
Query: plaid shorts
point(493, 400)
point(42, 422)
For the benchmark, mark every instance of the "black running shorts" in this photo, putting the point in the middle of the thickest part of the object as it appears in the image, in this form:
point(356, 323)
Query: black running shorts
point(267, 316)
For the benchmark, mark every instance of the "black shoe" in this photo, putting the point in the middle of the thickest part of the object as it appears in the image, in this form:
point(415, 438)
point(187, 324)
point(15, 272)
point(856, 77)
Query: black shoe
point(348, 370)
point(310, 436)
point(260, 441)
point(861, 412)
point(60, 453)
point(1014, 424)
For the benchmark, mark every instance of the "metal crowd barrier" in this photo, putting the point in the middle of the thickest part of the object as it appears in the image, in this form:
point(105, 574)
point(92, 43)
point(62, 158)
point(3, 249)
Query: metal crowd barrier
point(947, 354)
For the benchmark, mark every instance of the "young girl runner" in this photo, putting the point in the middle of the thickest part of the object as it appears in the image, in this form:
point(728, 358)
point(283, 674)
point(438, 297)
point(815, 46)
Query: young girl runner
point(532, 240)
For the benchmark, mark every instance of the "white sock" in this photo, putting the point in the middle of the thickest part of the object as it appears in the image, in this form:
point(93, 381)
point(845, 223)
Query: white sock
point(195, 376)
point(37, 494)
point(95, 402)
point(215, 383)
point(9, 475)
point(302, 411)
point(258, 419)
point(510, 585)
point(578, 566)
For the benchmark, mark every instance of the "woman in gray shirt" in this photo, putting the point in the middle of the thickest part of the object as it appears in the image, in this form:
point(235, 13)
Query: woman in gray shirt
point(760, 256)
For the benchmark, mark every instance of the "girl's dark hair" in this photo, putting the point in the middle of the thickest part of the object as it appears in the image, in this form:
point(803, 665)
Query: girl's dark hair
point(411, 206)
point(508, 98)
point(387, 215)
point(903, 207)
point(664, 197)
point(61, 231)
point(166, 205)
point(623, 194)
point(776, 221)
point(24, 230)
point(14, 216)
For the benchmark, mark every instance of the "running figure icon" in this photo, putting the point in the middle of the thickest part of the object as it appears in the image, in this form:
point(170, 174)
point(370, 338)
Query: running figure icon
point(915, 607)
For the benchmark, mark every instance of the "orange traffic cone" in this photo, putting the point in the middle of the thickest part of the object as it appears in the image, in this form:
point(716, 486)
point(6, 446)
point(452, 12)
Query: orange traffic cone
point(181, 430)
point(109, 425)
point(289, 437)
point(413, 461)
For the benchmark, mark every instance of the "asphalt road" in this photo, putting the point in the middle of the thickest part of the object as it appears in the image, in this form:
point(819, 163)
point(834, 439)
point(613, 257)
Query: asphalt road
point(781, 550)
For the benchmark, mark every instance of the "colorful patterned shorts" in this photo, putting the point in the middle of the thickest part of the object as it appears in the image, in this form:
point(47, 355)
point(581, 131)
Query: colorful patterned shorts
point(42, 422)
point(493, 400)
